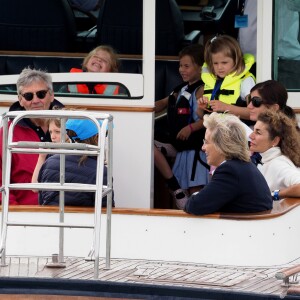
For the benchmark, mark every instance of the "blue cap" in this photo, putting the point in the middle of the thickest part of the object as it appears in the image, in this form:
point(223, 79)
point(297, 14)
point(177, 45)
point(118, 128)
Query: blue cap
point(84, 128)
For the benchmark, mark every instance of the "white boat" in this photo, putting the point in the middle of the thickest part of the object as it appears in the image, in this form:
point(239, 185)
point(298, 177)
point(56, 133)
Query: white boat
point(152, 253)
point(158, 252)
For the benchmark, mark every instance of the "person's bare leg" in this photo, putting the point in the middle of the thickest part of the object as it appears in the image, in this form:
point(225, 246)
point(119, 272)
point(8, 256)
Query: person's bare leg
point(162, 164)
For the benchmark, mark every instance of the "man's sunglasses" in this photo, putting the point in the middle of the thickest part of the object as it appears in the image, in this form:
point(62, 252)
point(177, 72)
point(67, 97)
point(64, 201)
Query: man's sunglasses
point(256, 101)
point(40, 94)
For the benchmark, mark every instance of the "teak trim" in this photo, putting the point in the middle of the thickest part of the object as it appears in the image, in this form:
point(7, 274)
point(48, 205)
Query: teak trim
point(101, 107)
point(280, 208)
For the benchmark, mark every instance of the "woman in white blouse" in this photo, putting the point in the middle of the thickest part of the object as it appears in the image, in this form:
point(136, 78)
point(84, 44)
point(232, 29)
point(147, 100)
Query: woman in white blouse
point(277, 139)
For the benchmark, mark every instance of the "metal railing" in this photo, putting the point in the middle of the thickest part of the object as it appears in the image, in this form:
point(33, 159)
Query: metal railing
point(9, 121)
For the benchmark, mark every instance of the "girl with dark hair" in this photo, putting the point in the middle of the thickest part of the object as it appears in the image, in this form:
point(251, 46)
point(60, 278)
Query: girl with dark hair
point(185, 131)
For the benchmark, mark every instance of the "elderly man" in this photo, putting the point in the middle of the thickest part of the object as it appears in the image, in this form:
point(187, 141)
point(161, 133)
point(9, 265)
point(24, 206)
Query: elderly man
point(35, 92)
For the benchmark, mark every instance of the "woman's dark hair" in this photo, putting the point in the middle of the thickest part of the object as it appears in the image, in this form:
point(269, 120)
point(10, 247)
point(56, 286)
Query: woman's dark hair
point(273, 92)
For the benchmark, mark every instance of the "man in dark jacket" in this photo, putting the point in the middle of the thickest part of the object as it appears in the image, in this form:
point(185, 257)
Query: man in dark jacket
point(35, 92)
point(236, 184)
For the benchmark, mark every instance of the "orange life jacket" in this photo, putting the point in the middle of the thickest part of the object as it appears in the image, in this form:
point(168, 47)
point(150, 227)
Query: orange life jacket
point(103, 89)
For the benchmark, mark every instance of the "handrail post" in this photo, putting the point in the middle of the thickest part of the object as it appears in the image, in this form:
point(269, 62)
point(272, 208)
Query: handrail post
point(109, 196)
point(61, 186)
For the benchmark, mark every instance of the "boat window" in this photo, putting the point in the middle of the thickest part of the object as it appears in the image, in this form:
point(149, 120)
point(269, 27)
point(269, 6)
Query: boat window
point(286, 44)
point(78, 89)
point(91, 89)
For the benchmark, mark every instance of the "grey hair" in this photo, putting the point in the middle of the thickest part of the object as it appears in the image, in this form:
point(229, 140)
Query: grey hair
point(228, 135)
point(29, 76)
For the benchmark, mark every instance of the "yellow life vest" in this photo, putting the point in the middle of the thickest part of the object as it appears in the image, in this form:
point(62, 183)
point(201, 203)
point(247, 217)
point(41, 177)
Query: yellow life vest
point(230, 89)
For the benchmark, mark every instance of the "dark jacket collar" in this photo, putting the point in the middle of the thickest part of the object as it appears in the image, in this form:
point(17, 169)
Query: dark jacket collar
point(17, 107)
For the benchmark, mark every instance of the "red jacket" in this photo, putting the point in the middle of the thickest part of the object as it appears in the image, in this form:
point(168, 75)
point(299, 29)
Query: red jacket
point(101, 89)
point(22, 167)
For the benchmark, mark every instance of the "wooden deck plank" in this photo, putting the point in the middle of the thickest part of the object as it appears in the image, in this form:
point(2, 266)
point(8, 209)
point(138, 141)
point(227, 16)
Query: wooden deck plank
point(109, 274)
point(76, 268)
point(253, 280)
point(259, 287)
point(14, 266)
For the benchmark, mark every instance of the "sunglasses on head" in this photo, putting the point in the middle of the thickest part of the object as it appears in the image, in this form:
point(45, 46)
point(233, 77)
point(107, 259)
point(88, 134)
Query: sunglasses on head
point(40, 94)
point(256, 101)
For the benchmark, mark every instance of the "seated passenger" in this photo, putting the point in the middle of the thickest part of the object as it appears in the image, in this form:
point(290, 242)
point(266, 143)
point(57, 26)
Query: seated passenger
point(100, 59)
point(54, 130)
point(227, 77)
point(185, 130)
point(277, 139)
point(35, 92)
point(78, 169)
point(236, 184)
point(268, 95)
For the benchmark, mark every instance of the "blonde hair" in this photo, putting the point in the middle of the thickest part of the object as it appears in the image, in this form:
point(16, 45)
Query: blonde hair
point(56, 121)
point(114, 59)
point(228, 135)
point(227, 45)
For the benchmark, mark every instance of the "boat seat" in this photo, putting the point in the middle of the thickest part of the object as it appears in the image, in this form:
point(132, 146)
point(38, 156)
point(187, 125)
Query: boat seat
point(280, 208)
point(33, 25)
point(170, 37)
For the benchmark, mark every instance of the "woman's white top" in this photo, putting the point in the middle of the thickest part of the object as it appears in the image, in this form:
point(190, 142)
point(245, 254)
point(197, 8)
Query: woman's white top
point(278, 170)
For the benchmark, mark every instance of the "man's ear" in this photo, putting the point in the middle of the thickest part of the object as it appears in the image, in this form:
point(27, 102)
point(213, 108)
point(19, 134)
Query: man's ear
point(19, 99)
point(52, 96)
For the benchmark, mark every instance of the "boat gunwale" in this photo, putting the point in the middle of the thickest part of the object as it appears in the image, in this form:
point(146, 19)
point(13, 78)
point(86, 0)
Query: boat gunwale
point(280, 208)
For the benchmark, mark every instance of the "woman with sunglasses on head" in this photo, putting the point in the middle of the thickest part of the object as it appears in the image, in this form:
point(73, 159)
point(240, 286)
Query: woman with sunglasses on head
point(277, 139)
point(35, 92)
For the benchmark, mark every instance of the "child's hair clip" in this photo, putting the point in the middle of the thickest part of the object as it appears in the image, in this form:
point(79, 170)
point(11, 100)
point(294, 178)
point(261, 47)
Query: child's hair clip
point(213, 39)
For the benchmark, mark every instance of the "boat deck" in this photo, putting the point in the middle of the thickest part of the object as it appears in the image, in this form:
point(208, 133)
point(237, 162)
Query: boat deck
point(254, 280)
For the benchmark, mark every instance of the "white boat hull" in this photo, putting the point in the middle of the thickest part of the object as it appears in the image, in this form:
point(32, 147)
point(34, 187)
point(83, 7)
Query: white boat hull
point(208, 240)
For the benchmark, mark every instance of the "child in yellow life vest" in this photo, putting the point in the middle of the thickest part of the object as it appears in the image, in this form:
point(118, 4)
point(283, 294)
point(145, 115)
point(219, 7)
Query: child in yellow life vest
point(100, 59)
point(226, 76)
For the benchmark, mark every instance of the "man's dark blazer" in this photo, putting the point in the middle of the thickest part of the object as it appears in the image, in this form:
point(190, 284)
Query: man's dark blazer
point(236, 186)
